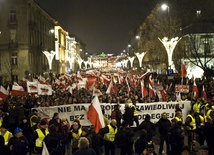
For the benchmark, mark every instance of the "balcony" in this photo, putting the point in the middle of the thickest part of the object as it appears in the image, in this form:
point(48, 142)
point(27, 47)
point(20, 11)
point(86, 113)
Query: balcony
point(12, 23)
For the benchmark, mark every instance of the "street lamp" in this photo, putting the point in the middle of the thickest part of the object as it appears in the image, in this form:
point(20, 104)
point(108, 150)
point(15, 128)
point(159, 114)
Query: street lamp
point(140, 57)
point(137, 37)
point(131, 59)
point(49, 55)
point(168, 42)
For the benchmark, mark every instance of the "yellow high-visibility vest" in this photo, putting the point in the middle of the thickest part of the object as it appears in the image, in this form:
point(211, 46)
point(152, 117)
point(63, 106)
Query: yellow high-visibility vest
point(41, 137)
point(74, 135)
point(193, 123)
point(110, 136)
point(31, 122)
point(135, 109)
point(6, 137)
point(178, 119)
point(196, 107)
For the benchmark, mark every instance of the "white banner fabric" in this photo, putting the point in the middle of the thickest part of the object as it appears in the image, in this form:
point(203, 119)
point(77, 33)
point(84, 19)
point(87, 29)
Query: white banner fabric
point(80, 110)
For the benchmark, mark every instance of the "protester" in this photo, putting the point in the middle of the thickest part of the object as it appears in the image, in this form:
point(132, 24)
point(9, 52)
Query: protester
point(123, 139)
point(5, 133)
point(74, 135)
point(34, 119)
point(84, 149)
point(176, 137)
point(3, 148)
point(56, 121)
point(53, 140)
point(141, 143)
point(109, 133)
point(18, 144)
point(148, 126)
point(128, 116)
point(191, 130)
point(164, 125)
point(38, 136)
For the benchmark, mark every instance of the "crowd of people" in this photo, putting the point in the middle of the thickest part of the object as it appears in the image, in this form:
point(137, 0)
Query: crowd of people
point(22, 130)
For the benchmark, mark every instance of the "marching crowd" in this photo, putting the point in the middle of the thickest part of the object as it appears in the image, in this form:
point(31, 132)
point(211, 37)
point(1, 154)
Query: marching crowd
point(22, 130)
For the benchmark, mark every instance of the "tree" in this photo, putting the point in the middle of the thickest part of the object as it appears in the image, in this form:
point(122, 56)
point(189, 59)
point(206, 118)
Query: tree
point(199, 50)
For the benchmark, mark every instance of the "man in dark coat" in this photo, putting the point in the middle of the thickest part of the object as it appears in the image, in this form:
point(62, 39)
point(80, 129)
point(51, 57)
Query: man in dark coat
point(123, 139)
point(176, 137)
point(128, 116)
point(141, 143)
point(148, 126)
point(163, 125)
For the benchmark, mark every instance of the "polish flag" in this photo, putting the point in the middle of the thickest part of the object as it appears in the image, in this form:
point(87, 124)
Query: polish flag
point(96, 92)
point(143, 89)
point(151, 91)
point(95, 115)
point(183, 72)
point(3, 93)
point(110, 88)
point(127, 83)
point(163, 95)
point(195, 90)
point(18, 91)
point(204, 94)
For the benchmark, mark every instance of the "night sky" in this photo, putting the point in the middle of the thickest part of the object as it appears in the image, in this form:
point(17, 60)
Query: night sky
point(103, 25)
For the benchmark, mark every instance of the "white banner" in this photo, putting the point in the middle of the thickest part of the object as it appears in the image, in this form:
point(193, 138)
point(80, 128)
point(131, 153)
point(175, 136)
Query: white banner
point(80, 110)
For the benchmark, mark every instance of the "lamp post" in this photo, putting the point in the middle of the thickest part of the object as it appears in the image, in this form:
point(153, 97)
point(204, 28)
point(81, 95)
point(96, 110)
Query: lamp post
point(49, 55)
point(140, 57)
point(131, 59)
point(169, 42)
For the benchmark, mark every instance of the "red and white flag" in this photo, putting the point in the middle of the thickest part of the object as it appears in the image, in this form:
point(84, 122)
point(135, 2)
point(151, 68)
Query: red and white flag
point(17, 91)
point(204, 94)
point(163, 95)
point(95, 115)
point(127, 83)
point(143, 89)
point(32, 87)
point(3, 93)
point(151, 91)
point(183, 72)
point(195, 90)
point(96, 92)
point(44, 89)
point(110, 88)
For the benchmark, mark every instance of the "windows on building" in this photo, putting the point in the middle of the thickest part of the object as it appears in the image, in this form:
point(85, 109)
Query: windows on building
point(14, 59)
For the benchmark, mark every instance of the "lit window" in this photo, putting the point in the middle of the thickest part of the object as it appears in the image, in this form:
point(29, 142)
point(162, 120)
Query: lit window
point(198, 13)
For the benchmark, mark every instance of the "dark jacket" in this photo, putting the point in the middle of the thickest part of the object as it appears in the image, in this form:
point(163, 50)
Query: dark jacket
point(141, 144)
point(128, 116)
point(176, 136)
point(149, 127)
point(163, 126)
point(124, 136)
point(52, 140)
point(19, 145)
point(88, 151)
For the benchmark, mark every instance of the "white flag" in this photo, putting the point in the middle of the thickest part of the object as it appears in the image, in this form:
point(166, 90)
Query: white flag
point(44, 89)
point(45, 150)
